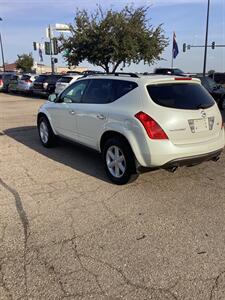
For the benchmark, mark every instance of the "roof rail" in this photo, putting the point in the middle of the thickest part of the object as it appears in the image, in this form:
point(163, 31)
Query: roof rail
point(134, 75)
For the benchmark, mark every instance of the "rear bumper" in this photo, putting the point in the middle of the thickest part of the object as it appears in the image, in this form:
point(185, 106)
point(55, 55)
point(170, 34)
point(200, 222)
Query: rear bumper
point(184, 161)
point(192, 160)
point(40, 92)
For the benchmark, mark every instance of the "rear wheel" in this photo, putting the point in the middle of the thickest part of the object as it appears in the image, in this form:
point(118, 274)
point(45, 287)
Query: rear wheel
point(46, 133)
point(118, 160)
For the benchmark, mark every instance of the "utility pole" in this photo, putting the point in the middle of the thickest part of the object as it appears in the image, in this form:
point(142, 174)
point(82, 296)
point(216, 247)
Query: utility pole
point(51, 53)
point(206, 39)
point(3, 61)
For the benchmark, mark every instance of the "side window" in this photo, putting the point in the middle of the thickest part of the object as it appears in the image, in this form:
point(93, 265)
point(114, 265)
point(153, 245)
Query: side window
point(102, 91)
point(123, 87)
point(74, 93)
point(99, 91)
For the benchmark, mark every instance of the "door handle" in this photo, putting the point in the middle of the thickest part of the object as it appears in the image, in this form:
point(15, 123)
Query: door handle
point(72, 112)
point(101, 117)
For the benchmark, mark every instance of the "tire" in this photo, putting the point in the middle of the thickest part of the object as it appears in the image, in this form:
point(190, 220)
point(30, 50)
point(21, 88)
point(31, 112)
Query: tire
point(120, 171)
point(46, 133)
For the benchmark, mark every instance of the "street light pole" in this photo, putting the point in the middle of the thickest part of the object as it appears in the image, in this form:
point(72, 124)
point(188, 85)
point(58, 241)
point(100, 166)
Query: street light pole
point(206, 39)
point(3, 61)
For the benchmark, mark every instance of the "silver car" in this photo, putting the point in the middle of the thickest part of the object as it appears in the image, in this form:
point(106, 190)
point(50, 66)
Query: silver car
point(64, 82)
point(25, 84)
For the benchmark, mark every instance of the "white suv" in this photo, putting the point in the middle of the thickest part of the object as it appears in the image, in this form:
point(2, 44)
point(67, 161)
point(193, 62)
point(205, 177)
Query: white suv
point(136, 121)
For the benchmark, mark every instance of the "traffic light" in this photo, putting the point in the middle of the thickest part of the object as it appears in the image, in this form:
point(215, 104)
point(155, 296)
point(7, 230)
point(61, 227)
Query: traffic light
point(184, 47)
point(213, 45)
point(55, 46)
point(47, 48)
point(35, 46)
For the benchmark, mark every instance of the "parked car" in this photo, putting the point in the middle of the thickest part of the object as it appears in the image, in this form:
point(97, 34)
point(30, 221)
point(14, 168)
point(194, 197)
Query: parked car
point(64, 81)
point(169, 71)
point(136, 122)
point(6, 77)
point(13, 83)
point(218, 78)
point(25, 83)
point(45, 84)
point(215, 90)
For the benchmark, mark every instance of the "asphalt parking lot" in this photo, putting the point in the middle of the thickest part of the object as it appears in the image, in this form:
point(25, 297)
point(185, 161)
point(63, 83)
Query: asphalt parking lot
point(67, 233)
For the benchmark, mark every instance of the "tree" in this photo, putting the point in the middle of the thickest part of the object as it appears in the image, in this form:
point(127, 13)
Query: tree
point(108, 39)
point(25, 62)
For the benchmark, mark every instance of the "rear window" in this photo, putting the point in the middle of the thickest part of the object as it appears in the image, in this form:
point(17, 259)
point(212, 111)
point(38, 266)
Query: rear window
point(25, 77)
point(180, 96)
point(53, 78)
point(41, 78)
point(65, 79)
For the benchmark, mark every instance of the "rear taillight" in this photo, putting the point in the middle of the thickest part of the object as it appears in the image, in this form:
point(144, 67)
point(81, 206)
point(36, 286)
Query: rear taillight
point(28, 81)
point(1, 81)
point(152, 128)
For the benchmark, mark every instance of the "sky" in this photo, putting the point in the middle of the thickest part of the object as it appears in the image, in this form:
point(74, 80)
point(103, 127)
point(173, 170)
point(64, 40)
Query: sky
point(24, 21)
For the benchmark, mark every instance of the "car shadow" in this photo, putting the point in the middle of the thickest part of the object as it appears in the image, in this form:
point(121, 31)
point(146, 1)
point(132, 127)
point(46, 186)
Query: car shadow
point(70, 154)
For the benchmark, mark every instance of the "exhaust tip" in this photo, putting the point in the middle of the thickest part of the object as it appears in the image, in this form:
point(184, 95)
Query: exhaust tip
point(216, 158)
point(172, 169)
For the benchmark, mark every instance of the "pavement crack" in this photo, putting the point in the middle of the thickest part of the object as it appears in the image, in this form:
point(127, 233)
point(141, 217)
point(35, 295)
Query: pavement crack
point(25, 223)
point(215, 285)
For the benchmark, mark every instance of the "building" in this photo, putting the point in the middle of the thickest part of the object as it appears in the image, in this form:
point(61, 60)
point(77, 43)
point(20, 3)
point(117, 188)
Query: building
point(41, 68)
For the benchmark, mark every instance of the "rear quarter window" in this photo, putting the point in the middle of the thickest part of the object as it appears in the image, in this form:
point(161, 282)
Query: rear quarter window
point(180, 96)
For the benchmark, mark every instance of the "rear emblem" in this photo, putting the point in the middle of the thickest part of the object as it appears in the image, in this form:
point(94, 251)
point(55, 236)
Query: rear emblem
point(203, 114)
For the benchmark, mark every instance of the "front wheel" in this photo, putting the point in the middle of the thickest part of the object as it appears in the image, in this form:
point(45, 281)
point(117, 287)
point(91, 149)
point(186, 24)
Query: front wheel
point(46, 133)
point(118, 160)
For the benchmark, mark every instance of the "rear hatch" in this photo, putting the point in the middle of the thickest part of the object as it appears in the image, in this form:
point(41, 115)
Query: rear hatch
point(186, 111)
point(38, 83)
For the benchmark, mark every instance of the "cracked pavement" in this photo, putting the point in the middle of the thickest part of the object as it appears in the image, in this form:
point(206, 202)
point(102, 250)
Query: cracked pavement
point(67, 233)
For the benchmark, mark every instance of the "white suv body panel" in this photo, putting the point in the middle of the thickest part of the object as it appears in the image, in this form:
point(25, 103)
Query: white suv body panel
point(119, 116)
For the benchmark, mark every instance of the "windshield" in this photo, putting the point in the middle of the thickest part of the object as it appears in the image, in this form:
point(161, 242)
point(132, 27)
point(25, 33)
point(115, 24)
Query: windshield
point(25, 77)
point(180, 96)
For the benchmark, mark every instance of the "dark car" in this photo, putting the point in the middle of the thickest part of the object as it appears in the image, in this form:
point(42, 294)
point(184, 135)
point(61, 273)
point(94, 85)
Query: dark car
point(6, 77)
point(216, 90)
point(218, 78)
point(45, 84)
point(169, 71)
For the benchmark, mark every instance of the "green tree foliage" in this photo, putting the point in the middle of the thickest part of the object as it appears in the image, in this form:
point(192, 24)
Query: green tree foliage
point(109, 39)
point(25, 62)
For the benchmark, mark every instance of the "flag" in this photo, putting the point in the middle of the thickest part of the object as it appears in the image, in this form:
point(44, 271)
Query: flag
point(40, 53)
point(175, 46)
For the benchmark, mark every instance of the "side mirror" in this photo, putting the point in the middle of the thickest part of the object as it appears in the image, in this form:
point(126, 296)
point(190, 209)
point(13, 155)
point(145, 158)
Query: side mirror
point(52, 97)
